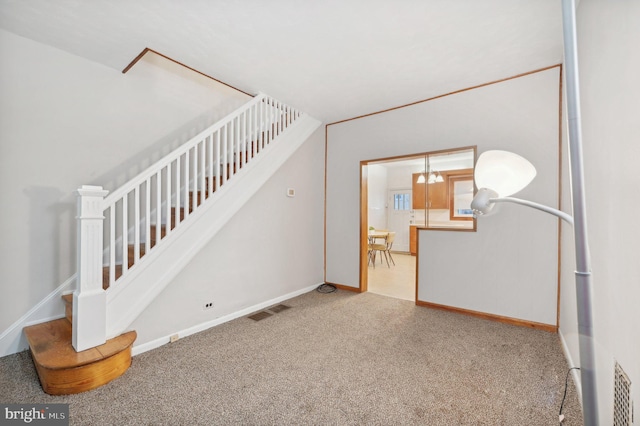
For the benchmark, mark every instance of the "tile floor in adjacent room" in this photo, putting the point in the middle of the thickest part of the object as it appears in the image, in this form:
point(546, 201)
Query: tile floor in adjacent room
point(398, 281)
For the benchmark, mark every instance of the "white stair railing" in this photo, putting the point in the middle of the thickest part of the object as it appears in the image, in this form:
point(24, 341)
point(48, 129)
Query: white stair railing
point(141, 214)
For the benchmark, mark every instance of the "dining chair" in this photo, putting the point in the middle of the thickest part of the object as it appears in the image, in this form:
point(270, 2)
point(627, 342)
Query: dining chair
point(370, 254)
point(389, 243)
point(384, 249)
point(375, 234)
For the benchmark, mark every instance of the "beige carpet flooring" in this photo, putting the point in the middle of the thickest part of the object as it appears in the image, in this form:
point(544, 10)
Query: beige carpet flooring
point(332, 359)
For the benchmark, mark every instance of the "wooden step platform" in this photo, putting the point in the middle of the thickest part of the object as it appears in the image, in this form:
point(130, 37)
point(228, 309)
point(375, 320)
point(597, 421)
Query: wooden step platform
point(68, 307)
point(64, 371)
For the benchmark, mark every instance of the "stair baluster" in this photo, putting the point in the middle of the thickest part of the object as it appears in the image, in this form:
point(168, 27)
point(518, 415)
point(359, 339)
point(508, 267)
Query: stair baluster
point(142, 213)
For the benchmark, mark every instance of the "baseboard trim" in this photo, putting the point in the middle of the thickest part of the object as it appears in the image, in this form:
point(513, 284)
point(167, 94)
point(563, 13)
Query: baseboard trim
point(12, 340)
point(345, 287)
point(492, 317)
point(161, 341)
point(136, 290)
point(575, 374)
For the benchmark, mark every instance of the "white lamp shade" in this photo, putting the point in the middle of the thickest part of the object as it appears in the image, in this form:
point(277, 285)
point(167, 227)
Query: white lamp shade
point(503, 172)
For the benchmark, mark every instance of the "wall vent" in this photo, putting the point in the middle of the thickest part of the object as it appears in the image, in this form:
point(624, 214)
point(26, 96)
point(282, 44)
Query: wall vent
point(622, 410)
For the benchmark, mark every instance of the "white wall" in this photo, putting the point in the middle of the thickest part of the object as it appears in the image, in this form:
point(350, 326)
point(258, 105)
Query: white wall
point(65, 122)
point(608, 39)
point(377, 196)
point(400, 177)
point(271, 248)
point(515, 252)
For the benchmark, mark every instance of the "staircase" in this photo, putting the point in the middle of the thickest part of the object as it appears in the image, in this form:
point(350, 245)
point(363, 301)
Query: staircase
point(134, 241)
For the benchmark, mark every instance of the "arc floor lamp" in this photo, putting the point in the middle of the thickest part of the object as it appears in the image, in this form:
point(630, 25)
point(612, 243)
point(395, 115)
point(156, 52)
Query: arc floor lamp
point(499, 174)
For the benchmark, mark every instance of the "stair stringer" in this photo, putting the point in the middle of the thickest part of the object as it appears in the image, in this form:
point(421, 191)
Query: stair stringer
point(131, 294)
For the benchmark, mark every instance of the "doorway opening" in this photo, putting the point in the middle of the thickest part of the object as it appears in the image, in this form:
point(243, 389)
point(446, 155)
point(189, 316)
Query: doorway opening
point(400, 196)
point(392, 273)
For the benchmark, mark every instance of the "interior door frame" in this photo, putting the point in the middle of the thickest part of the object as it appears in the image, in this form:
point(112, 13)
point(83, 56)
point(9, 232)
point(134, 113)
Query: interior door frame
point(364, 227)
point(364, 206)
point(364, 216)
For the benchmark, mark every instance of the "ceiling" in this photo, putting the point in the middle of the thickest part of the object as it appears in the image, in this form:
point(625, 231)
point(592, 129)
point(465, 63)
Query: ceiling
point(334, 59)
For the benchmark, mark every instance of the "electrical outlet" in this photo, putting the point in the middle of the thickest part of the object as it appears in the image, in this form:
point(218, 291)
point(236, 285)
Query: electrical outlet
point(173, 338)
point(208, 305)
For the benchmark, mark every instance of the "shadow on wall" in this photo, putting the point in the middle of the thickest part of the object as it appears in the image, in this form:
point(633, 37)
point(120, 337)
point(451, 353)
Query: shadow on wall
point(51, 229)
point(137, 163)
point(52, 213)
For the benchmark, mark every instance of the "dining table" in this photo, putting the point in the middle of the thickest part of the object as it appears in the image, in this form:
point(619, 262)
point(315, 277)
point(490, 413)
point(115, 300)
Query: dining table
point(374, 235)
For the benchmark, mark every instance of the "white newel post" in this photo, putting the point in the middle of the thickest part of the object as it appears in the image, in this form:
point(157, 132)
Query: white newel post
point(89, 300)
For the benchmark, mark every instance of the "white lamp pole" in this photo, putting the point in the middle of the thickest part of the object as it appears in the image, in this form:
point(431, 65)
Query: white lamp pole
point(499, 174)
point(583, 261)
